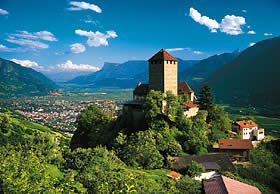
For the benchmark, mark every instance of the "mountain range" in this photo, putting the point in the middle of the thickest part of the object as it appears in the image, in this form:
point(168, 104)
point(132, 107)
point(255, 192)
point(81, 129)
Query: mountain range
point(202, 69)
point(18, 80)
point(123, 75)
point(252, 77)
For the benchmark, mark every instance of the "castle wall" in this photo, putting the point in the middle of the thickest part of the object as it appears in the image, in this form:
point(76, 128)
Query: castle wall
point(170, 77)
point(156, 79)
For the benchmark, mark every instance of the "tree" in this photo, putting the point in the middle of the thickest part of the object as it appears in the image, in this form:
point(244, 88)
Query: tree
point(194, 139)
point(206, 98)
point(188, 185)
point(23, 172)
point(173, 106)
point(139, 149)
point(153, 105)
point(193, 169)
point(93, 128)
point(220, 120)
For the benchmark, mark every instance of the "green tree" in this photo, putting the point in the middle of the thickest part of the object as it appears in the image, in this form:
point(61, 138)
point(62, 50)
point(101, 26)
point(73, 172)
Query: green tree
point(193, 169)
point(195, 140)
point(173, 106)
point(206, 98)
point(93, 129)
point(188, 185)
point(153, 106)
point(23, 172)
point(220, 120)
point(139, 149)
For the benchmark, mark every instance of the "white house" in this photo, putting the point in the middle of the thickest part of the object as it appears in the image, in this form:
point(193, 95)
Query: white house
point(248, 129)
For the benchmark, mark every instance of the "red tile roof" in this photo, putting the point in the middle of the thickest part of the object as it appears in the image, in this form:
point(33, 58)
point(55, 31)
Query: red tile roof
point(190, 104)
point(239, 144)
point(173, 175)
point(225, 185)
point(246, 124)
point(234, 186)
point(183, 88)
point(162, 55)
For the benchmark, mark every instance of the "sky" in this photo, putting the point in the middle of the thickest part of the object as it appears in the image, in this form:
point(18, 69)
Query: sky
point(65, 35)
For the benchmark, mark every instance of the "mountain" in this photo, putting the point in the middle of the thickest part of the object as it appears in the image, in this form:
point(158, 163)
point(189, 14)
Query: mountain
point(252, 77)
point(18, 80)
point(200, 71)
point(64, 76)
point(123, 75)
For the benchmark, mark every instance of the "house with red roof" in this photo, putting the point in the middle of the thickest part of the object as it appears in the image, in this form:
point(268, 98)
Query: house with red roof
point(174, 175)
point(237, 149)
point(225, 185)
point(248, 129)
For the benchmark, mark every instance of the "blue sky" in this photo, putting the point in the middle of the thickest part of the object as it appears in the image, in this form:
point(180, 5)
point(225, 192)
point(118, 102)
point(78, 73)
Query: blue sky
point(76, 35)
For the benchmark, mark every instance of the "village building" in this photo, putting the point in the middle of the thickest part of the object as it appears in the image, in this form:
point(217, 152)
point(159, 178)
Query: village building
point(163, 76)
point(174, 175)
point(225, 185)
point(237, 149)
point(214, 163)
point(248, 129)
point(190, 109)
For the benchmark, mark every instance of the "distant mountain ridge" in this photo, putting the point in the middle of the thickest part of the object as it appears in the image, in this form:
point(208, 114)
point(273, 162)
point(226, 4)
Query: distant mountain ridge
point(201, 70)
point(252, 77)
point(123, 75)
point(18, 80)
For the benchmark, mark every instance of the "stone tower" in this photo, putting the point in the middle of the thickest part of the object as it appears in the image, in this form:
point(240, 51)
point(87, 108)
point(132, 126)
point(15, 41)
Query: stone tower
point(163, 72)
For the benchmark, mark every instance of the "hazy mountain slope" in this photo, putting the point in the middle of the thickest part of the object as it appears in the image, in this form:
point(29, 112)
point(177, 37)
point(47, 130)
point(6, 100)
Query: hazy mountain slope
point(18, 80)
point(252, 77)
point(200, 71)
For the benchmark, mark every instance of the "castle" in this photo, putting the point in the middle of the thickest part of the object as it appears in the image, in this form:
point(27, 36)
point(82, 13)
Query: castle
point(163, 76)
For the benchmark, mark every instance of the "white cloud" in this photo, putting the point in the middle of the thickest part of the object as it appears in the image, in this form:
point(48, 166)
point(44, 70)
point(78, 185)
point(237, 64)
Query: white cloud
point(30, 43)
point(69, 66)
point(213, 25)
point(43, 35)
point(175, 49)
point(197, 52)
point(25, 63)
point(97, 38)
point(29, 64)
point(3, 48)
point(83, 5)
point(77, 48)
point(3, 12)
point(267, 34)
point(230, 24)
point(244, 11)
point(252, 44)
point(251, 32)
